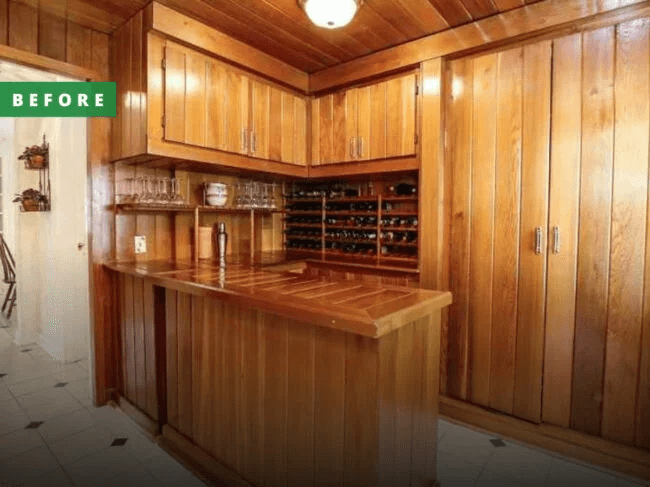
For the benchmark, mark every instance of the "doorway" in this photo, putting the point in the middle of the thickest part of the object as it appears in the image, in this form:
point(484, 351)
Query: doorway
point(50, 247)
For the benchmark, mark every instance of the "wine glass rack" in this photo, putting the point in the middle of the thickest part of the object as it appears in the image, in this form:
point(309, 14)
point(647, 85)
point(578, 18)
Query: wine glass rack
point(380, 229)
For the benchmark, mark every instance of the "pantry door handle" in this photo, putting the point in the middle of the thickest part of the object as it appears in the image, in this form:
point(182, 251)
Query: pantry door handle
point(556, 239)
point(538, 240)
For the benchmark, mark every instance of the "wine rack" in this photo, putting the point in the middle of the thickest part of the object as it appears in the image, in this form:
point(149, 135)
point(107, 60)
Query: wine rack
point(380, 229)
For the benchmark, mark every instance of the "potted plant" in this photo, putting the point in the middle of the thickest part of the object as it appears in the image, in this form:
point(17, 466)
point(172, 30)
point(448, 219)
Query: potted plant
point(31, 200)
point(36, 156)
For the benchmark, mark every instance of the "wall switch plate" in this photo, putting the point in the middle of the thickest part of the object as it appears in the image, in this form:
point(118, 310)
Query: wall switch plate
point(140, 244)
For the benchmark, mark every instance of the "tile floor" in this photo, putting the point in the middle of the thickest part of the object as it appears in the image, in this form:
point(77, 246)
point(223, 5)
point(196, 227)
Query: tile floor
point(51, 435)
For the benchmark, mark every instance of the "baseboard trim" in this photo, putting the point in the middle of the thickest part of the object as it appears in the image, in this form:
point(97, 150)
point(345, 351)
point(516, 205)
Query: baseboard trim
point(144, 421)
point(598, 451)
point(197, 460)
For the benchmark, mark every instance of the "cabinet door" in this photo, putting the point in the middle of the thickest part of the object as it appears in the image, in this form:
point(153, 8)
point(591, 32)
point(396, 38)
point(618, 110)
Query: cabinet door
point(363, 122)
point(237, 113)
point(351, 124)
point(339, 140)
point(215, 85)
point(400, 116)
point(377, 138)
point(185, 95)
point(260, 111)
point(322, 133)
point(300, 131)
point(276, 130)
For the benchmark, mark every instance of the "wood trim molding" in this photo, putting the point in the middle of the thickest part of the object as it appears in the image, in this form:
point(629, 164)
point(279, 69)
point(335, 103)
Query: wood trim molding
point(184, 29)
point(592, 449)
point(140, 418)
point(47, 64)
point(198, 460)
point(399, 164)
point(529, 21)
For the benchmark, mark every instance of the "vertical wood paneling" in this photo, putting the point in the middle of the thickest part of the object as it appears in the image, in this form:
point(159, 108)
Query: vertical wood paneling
point(51, 36)
point(236, 110)
point(4, 20)
point(260, 99)
point(388, 407)
point(482, 229)
point(643, 401)
point(230, 368)
point(377, 139)
point(251, 415)
point(275, 400)
point(172, 357)
point(151, 366)
point(460, 153)
point(195, 99)
point(506, 229)
point(406, 387)
point(314, 115)
point(364, 121)
point(300, 410)
point(361, 418)
point(216, 120)
point(423, 417)
point(339, 146)
point(137, 113)
point(566, 114)
point(184, 340)
point(432, 191)
point(214, 316)
point(409, 113)
point(199, 369)
point(325, 129)
point(289, 127)
point(329, 407)
point(277, 123)
point(300, 131)
point(629, 222)
point(174, 94)
point(23, 26)
point(139, 344)
point(431, 388)
point(129, 340)
point(534, 214)
point(351, 123)
point(595, 226)
point(79, 45)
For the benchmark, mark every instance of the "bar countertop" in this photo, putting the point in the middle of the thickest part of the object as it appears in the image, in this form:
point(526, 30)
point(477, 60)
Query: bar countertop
point(356, 307)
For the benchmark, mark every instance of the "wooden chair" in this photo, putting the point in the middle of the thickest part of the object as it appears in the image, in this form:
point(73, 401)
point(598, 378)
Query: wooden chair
point(9, 268)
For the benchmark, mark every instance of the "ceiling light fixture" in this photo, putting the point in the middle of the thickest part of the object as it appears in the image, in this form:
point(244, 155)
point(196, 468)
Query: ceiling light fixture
point(330, 14)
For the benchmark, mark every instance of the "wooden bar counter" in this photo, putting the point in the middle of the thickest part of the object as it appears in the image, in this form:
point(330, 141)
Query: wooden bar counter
point(270, 378)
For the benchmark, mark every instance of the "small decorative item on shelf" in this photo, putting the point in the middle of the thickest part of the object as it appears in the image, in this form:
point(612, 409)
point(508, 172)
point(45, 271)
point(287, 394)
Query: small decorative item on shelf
point(36, 156)
point(215, 194)
point(32, 200)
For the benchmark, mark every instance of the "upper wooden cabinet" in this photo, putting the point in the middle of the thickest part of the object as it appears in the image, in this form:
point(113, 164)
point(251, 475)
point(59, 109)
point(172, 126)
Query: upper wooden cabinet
point(178, 106)
point(376, 121)
point(210, 104)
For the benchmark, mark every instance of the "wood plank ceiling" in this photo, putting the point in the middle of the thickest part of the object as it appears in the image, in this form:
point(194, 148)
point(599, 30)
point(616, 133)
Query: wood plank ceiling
point(280, 27)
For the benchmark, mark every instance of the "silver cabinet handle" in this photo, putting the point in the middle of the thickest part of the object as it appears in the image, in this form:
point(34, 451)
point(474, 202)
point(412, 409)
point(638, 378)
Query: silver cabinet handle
point(359, 147)
point(538, 240)
point(244, 140)
point(351, 147)
point(253, 142)
point(556, 239)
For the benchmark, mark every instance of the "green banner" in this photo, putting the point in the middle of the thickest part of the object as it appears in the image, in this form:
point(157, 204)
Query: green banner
point(58, 99)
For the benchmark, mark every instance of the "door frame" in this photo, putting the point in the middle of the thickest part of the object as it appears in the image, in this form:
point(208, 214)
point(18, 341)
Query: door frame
point(98, 172)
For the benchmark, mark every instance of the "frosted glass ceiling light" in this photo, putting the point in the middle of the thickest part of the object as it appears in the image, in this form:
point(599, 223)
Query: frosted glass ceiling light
point(330, 14)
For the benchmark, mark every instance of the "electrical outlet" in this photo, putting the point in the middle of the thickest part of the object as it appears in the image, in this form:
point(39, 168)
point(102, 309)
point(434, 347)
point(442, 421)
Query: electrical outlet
point(140, 244)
